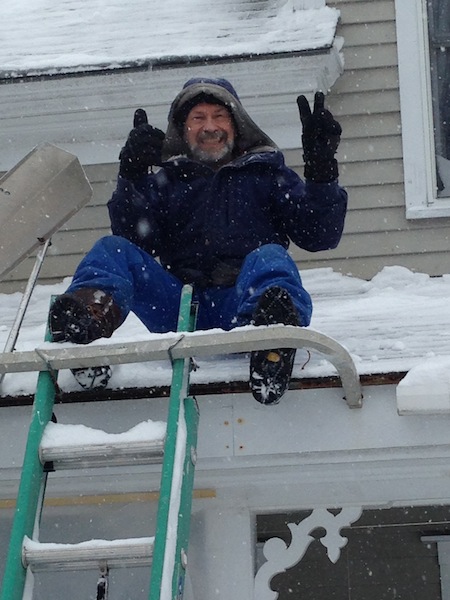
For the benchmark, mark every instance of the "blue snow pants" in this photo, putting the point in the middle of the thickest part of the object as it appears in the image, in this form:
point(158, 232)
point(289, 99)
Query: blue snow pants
point(138, 283)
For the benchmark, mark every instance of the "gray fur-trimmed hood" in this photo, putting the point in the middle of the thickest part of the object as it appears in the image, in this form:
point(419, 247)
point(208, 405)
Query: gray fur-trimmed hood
point(249, 137)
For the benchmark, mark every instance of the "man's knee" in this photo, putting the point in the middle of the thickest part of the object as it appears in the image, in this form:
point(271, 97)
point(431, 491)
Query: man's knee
point(112, 243)
point(270, 258)
point(269, 251)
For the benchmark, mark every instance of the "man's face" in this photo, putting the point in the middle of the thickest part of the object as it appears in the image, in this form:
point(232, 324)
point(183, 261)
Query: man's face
point(209, 133)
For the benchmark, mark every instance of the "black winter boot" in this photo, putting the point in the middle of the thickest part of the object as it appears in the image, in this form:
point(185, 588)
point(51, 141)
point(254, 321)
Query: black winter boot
point(92, 378)
point(270, 370)
point(83, 316)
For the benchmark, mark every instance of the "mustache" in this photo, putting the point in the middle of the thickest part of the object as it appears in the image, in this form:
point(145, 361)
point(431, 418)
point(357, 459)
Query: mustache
point(219, 136)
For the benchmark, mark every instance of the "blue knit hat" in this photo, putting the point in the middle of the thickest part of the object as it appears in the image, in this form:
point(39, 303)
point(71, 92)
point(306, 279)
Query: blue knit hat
point(208, 80)
point(205, 94)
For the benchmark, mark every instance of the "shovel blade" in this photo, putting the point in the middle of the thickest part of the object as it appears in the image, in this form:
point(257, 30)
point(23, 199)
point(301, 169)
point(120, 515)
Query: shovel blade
point(37, 196)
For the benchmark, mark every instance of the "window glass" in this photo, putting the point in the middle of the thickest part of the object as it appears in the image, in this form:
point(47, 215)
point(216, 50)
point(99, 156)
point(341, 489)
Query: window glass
point(439, 51)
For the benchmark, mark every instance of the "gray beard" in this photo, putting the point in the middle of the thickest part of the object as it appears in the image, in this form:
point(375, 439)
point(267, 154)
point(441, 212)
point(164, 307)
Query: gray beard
point(212, 158)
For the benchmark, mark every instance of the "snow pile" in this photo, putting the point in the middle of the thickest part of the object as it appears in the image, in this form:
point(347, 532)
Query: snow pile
point(426, 388)
point(397, 322)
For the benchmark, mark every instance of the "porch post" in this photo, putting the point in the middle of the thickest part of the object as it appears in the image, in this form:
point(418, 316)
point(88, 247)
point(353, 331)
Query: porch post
point(221, 554)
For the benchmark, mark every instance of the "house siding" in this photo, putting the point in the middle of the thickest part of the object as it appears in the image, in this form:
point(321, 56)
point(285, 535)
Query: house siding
point(365, 99)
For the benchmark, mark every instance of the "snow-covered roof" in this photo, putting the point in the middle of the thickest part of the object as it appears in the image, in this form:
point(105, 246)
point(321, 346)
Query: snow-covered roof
point(398, 322)
point(43, 36)
point(82, 68)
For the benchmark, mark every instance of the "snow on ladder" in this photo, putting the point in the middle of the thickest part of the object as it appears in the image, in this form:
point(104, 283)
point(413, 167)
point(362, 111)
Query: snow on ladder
point(167, 551)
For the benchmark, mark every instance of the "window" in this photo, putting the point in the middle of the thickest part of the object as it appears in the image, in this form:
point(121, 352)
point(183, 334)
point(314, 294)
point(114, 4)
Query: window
point(391, 553)
point(439, 50)
point(423, 36)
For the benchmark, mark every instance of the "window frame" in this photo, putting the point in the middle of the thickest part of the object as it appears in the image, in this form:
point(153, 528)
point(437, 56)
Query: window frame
point(419, 160)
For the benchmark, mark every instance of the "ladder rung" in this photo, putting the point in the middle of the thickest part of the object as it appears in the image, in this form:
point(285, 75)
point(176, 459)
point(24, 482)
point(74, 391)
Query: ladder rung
point(77, 446)
point(103, 454)
point(87, 555)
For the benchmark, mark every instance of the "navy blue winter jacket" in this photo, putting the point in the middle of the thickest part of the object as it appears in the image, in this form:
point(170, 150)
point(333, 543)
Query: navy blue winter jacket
point(196, 219)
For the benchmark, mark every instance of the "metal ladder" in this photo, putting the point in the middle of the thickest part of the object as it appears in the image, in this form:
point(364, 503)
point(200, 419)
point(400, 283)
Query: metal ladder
point(167, 551)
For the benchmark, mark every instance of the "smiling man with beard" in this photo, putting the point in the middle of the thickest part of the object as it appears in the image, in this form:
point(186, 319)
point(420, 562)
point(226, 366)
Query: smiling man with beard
point(218, 212)
point(209, 133)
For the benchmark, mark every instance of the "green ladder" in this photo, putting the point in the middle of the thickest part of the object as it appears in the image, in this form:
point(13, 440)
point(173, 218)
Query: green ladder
point(167, 551)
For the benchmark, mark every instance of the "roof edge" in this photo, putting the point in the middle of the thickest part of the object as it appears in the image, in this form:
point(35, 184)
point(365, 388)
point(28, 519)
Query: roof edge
point(157, 64)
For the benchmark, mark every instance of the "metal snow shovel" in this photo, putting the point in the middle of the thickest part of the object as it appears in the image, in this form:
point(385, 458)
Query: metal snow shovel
point(37, 197)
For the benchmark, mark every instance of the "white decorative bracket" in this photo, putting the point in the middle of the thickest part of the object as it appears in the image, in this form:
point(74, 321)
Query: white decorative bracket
point(281, 557)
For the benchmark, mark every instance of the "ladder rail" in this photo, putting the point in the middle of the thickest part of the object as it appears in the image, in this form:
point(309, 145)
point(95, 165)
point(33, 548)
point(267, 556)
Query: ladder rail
point(168, 552)
point(169, 564)
point(191, 414)
point(174, 345)
point(30, 491)
point(17, 581)
point(200, 343)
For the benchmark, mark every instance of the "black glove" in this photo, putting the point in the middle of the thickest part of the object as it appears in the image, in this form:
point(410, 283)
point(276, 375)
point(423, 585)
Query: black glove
point(142, 148)
point(321, 136)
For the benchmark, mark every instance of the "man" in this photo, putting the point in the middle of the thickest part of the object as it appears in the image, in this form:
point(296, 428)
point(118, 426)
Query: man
point(219, 213)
